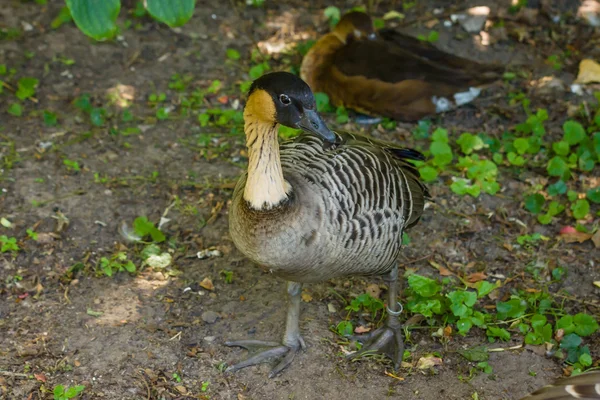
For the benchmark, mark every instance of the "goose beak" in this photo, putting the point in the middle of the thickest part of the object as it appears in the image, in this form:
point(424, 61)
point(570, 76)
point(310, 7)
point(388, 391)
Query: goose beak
point(312, 122)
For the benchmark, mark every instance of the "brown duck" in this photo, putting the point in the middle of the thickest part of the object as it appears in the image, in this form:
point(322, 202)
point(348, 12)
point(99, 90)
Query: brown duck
point(387, 73)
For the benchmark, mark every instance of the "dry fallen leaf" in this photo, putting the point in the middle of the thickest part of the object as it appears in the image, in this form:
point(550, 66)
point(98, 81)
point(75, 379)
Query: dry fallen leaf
point(596, 238)
point(361, 329)
point(181, 389)
point(207, 284)
point(428, 362)
point(571, 237)
point(373, 290)
point(40, 377)
point(447, 331)
point(589, 72)
point(307, 298)
point(476, 277)
point(597, 283)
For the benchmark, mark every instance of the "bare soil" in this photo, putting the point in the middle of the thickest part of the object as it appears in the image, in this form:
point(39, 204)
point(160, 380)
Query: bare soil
point(151, 324)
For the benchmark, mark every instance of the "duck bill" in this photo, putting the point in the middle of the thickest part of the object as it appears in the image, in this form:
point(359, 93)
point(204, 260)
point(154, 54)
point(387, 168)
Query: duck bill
point(312, 122)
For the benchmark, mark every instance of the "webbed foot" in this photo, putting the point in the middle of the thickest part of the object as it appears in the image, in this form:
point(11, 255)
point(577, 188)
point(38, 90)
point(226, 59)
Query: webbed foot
point(285, 353)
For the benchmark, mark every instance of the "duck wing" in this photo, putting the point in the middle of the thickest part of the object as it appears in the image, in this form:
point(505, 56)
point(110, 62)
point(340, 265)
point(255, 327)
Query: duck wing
point(394, 57)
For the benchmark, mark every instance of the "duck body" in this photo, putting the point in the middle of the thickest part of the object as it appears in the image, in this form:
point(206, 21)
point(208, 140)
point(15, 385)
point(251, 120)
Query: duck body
point(345, 213)
point(323, 205)
point(389, 73)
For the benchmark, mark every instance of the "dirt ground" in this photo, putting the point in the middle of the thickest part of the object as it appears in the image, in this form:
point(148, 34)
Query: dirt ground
point(154, 335)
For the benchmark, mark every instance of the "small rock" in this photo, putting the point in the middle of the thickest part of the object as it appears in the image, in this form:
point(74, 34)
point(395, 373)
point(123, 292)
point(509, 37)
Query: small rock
point(331, 308)
point(209, 339)
point(210, 317)
point(549, 86)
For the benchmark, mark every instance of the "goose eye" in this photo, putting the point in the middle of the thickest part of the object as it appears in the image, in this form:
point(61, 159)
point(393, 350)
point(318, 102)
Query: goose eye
point(284, 99)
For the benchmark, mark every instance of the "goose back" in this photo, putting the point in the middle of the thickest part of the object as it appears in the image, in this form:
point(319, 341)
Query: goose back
point(344, 216)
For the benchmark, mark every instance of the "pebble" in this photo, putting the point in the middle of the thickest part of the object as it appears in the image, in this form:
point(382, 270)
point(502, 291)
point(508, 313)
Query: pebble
point(209, 339)
point(210, 317)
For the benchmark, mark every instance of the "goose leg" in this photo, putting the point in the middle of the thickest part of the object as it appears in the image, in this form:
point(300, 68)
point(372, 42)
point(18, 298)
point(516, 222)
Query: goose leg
point(286, 351)
point(388, 339)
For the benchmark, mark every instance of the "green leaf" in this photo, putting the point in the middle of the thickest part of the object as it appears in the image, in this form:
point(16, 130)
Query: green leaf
point(484, 288)
point(538, 321)
point(475, 354)
point(469, 143)
point(442, 153)
point(515, 159)
point(26, 88)
point(322, 101)
point(63, 17)
point(333, 15)
point(345, 328)
point(557, 167)
point(500, 333)
point(440, 135)
point(426, 307)
point(97, 116)
point(570, 341)
point(561, 148)
point(15, 109)
point(521, 145)
point(233, 54)
point(171, 12)
point(50, 118)
point(143, 227)
point(574, 132)
point(428, 173)
point(464, 325)
point(534, 203)
point(593, 195)
point(94, 18)
point(580, 208)
point(586, 161)
point(59, 391)
point(513, 308)
point(585, 360)
point(559, 187)
point(423, 286)
point(585, 324)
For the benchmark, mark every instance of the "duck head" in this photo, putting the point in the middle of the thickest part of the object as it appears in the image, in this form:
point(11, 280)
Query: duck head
point(283, 98)
point(355, 25)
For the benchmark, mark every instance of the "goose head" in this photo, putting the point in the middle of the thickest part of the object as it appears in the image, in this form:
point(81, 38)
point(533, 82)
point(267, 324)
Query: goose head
point(283, 98)
point(355, 25)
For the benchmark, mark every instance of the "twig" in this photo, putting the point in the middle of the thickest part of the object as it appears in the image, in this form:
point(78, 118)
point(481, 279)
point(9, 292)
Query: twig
point(15, 374)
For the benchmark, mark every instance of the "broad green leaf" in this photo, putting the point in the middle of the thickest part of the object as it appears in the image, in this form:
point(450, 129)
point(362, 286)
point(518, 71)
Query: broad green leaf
point(521, 145)
point(593, 195)
point(585, 324)
point(557, 167)
point(570, 341)
point(423, 286)
point(143, 227)
point(26, 88)
point(469, 143)
point(95, 18)
point(464, 325)
point(561, 148)
point(233, 54)
point(441, 152)
point(484, 288)
point(475, 354)
point(513, 308)
point(557, 188)
point(534, 203)
point(500, 333)
point(574, 132)
point(580, 208)
point(428, 173)
point(171, 12)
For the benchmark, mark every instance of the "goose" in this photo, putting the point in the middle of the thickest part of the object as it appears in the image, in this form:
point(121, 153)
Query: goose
point(585, 386)
point(389, 74)
point(323, 205)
